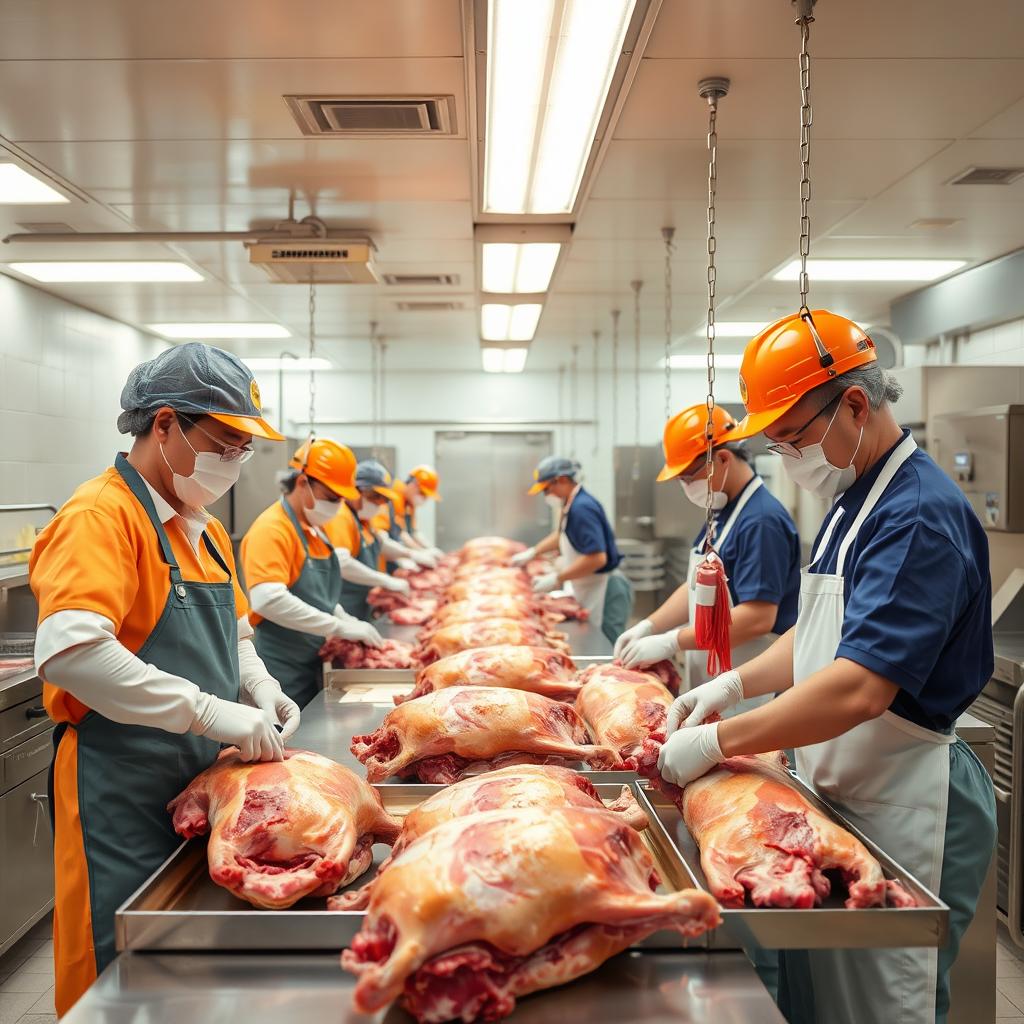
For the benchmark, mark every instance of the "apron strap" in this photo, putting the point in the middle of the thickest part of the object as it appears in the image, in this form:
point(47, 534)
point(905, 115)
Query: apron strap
point(901, 453)
point(827, 535)
point(297, 527)
point(137, 486)
point(217, 556)
point(748, 493)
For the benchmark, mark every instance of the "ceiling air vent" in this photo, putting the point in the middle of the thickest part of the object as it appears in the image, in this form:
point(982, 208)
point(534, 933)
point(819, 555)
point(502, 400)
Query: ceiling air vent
point(373, 115)
point(322, 260)
point(418, 280)
point(427, 306)
point(988, 176)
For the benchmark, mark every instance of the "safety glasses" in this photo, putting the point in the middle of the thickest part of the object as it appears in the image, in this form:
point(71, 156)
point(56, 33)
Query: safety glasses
point(228, 452)
point(789, 448)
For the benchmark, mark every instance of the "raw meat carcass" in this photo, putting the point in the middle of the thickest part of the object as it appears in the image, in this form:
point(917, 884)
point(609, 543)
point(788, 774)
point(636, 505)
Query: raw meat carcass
point(352, 654)
point(484, 586)
point(485, 909)
point(495, 606)
point(539, 567)
point(565, 607)
point(466, 730)
point(282, 830)
point(758, 833)
point(537, 669)
point(622, 708)
point(490, 549)
point(429, 580)
point(417, 613)
point(524, 785)
point(464, 636)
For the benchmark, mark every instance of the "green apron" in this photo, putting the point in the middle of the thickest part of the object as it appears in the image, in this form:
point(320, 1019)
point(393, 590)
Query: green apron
point(618, 604)
point(291, 657)
point(353, 595)
point(394, 532)
point(127, 774)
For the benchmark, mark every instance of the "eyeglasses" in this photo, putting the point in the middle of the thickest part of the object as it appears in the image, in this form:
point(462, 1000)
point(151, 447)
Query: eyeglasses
point(229, 452)
point(789, 448)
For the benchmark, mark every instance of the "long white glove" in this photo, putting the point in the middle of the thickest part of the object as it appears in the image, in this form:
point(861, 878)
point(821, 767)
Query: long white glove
point(546, 583)
point(523, 557)
point(690, 753)
point(437, 553)
point(407, 564)
point(423, 557)
point(649, 650)
point(717, 695)
point(274, 601)
point(643, 628)
point(360, 632)
point(392, 550)
point(356, 572)
point(250, 729)
point(268, 696)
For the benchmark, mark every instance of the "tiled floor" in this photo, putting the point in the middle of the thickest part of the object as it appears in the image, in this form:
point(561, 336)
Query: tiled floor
point(26, 980)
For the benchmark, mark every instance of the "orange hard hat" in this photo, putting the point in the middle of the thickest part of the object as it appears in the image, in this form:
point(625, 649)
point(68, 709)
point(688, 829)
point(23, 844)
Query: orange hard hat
point(331, 463)
point(686, 437)
point(793, 356)
point(426, 477)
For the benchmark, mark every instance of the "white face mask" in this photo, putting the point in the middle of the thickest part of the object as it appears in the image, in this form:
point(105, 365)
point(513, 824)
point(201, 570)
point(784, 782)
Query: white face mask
point(554, 501)
point(697, 492)
point(367, 511)
point(211, 477)
point(321, 512)
point(813, 472)
point(416, 498)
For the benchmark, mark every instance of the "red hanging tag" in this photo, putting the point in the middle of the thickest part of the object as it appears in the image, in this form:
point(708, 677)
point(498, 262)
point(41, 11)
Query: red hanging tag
point(713, 616)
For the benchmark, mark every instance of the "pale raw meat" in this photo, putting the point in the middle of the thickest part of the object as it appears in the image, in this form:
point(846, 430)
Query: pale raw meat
point(401, 610)
point(495, 549)
point(524, 785)
point(432, 580)
point(537, 669)
point(466, 636)
point(485, 586)
point(494, 606)
point(622, 708)
point(466, 730)
point(283, 830)
point(757, 833)
point(484, 909)
point(352, 654)
point(566, 607)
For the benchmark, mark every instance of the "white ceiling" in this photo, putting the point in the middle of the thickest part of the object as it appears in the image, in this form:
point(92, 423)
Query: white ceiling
point(168, 116)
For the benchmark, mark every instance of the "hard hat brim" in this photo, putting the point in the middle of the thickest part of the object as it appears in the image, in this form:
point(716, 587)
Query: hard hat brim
point(541, 485)
point(386, 492)
point(352, 493)
point(757, 422)
point(669, 472)
point(249, 425)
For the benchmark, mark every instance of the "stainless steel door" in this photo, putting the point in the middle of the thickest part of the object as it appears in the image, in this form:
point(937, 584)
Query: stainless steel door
point(484, 479)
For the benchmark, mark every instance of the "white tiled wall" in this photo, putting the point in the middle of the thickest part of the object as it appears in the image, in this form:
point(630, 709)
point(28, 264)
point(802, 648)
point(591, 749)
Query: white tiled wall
point(1002, 345)
point(61, 372)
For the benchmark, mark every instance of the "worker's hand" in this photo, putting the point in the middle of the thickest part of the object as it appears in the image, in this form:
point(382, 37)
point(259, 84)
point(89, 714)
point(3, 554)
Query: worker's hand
point(717, 695)
point(407, 564)
point(359, 631)
point(250, 729)
point(649, 650)
point(424, 558)
point(437, 553)
point(643, 628)
point(690, 753)
point(546, 583)
point(268, 696)
point(523, 557)
point(397, 586)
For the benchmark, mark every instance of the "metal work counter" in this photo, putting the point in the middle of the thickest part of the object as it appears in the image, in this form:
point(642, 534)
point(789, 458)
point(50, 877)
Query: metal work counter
point(584, 638)
point(647, 988)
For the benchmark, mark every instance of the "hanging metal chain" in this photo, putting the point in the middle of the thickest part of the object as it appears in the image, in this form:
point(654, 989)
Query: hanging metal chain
point(596, 395)
point(668, 234)
point(374, 389)
point(616, 313)
point(561, 398)
point(634, 477)
point(712, 90)
point(312, 356)
point(573, 376)
point(381, 407)
point(804, 20)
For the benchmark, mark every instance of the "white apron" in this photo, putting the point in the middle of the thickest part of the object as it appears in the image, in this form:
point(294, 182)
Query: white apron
point(890, 777)
point(697, 661)
point(589, 591)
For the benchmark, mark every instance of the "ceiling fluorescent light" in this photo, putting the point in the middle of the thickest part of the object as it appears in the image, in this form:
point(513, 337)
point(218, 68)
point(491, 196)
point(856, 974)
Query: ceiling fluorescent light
point(724, 361)
point(871, 270)
point(18, 186)
point(202, 331)
point(106, 271)
point(503, 360)
point(550, 65)
point(315, 363)
point(518, 267)
point(502, 322)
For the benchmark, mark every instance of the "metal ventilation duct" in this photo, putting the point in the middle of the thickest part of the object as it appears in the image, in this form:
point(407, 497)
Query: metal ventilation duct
point(373, 115)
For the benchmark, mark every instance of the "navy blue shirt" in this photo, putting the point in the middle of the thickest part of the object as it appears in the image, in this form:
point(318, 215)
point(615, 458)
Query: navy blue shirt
point(589, 531)
point(918, 591)
point(761, 554)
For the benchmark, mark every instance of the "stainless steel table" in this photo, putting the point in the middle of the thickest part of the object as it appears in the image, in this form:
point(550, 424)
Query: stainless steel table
point(640, 988)
point(327, 728)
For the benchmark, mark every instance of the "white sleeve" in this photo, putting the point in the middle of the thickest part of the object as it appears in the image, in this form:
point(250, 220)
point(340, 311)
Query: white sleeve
point(356, 572)
point(391, 549)
point(420, 539)
point(406, 538)
point(244, 629)
point(104, 675)
point(251, 669)
point(274, 602)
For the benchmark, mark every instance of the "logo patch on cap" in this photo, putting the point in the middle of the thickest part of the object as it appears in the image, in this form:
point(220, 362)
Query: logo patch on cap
point(254, 394)
point(743, 390)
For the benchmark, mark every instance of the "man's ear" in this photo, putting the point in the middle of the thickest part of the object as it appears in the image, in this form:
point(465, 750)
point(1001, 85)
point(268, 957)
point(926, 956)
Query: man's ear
point(163, 423)
point(860, 405)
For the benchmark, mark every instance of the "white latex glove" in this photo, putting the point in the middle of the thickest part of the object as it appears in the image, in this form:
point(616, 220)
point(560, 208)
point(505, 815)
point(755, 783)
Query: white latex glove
point(643, 628)
point(437, 553)
point(546, 583)
point(424, 558)
point(268, 696)
point(718, 694)
point(690, 753)
point(249, 729)
point(408, 564)
point(396, 586)
point(524, 556)
point(361, 632)
point(649, 650)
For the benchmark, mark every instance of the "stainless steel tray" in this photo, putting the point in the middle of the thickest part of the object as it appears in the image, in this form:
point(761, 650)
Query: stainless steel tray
point(831, 926)
point(180, 908)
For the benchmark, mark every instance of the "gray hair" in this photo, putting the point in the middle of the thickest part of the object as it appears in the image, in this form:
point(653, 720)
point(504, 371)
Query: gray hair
point(879, 386)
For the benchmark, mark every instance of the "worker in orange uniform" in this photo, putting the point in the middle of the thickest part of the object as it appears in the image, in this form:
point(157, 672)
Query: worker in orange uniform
point(378, 489)
point(420, 485)
point(294, 573)
point(143, 643)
